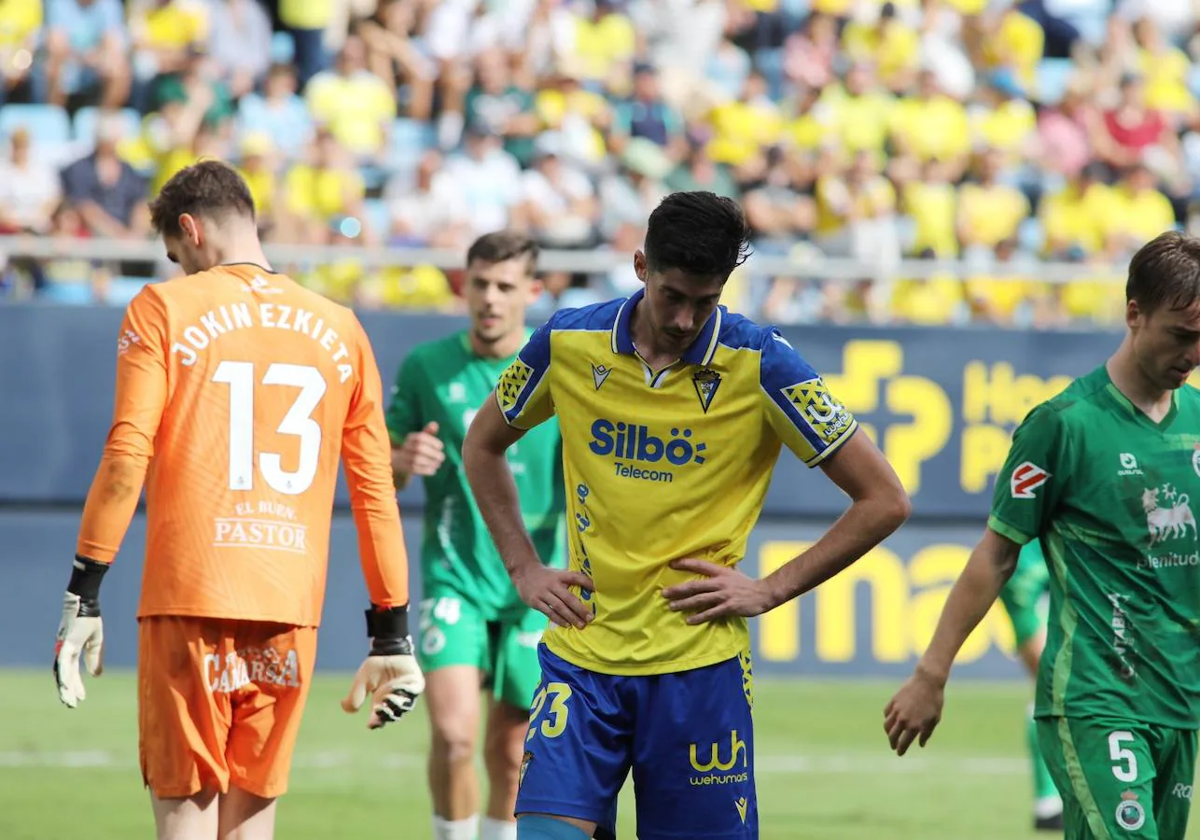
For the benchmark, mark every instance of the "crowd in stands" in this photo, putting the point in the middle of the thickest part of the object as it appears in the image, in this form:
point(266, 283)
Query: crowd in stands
point(992, 132)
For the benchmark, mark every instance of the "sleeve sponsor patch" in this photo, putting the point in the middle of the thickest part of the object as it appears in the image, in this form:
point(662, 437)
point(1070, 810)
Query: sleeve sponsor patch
point(512, 383)
point(1026, 478)
point(820, 410)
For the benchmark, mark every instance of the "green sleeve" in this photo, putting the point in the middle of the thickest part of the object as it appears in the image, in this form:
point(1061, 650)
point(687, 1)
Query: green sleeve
point(404, 406)
point(1032, 482)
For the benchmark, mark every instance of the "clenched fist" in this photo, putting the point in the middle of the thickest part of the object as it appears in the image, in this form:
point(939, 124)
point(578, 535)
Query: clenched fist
point(421, 454)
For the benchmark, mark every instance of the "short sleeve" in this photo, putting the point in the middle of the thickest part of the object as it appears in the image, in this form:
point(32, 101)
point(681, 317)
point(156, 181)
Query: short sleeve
point(404, 405)
point(523, 392)
point(1030, 485)
point(799, 406)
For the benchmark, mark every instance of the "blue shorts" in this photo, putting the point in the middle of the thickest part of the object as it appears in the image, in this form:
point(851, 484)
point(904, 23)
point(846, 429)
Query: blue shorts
point(688, 737)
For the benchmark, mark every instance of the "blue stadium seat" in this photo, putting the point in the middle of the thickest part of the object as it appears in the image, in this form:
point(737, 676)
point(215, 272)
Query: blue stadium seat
point(1092, 22)
point(121, 290)
point(379, 217)
point(74, 294)
point(84, 124)
point(1053, 74)
point(410, 139)
point(1031, 236)
point(48, 125)
point(283, 48)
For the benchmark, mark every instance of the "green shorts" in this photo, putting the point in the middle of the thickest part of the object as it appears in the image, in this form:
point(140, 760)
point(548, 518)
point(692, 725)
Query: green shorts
point(453, 631)
point(1120, 779)
point(1025, 595)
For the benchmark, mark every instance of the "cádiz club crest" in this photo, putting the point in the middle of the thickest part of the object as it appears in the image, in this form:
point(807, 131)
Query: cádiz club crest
point(706, 381)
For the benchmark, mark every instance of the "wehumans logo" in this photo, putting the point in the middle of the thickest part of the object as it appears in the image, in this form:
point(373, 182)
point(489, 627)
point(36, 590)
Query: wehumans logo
point(635, 445)
point(720, 771)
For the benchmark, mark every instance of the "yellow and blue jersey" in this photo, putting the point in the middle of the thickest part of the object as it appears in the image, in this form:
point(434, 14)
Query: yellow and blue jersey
point(663, 465)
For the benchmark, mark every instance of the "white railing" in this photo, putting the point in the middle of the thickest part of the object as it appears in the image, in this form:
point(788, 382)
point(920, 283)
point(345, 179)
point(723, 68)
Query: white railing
point(594, 261)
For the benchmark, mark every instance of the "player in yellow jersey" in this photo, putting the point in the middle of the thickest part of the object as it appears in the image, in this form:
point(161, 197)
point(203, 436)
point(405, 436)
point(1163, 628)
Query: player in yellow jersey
point(672, 412)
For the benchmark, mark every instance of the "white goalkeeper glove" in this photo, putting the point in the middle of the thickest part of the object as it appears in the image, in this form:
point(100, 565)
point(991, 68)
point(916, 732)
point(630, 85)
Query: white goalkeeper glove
point(80, 632)
point(390, 673)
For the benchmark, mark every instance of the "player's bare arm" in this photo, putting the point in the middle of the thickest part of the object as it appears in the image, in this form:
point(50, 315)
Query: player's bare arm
point(421, 454)
point(916, 709)
point(544, 589)
point(878, 507)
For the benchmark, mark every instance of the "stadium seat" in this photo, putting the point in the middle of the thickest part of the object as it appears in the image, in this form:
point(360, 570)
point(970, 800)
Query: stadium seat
point(410, 139)
point(48, 125)
point(121, 290)
point(283, 48)
point(1092, 22)
point(379, 217)
point(1031, 236)
point(74, 294)
point(84, 124)
point(1053, 74)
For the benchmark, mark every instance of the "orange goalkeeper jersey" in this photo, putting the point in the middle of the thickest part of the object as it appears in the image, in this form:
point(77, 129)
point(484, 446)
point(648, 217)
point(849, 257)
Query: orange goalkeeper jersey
point(237, 391)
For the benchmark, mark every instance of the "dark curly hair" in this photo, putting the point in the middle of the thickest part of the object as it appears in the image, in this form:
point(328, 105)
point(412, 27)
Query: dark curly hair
point(698, 233)
point(208, 188)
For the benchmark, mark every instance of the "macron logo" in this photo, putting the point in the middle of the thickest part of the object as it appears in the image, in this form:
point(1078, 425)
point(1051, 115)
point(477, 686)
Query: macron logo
point(1026, 478)
point(599, 374)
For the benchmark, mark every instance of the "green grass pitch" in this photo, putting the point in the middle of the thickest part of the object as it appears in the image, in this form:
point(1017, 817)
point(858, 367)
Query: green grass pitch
point(824, 769)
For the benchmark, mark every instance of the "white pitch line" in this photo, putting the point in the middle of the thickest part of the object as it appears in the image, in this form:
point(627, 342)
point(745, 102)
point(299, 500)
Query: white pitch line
point(858, 764)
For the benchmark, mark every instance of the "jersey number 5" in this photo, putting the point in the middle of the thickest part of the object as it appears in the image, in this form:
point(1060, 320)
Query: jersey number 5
point(239, 376)
point(1124, 761)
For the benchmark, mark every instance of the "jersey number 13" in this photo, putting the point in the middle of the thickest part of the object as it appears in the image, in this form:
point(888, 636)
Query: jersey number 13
point(240, 377)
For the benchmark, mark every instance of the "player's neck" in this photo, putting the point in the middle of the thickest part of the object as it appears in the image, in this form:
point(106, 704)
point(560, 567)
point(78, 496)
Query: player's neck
point(642, 334)
point(243, 250)
point(501, 348)
point(1153, 400)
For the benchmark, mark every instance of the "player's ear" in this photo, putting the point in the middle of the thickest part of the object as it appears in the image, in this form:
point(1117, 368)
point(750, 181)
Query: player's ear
point(190, 227)
point(1133, 313)
point(639, 264)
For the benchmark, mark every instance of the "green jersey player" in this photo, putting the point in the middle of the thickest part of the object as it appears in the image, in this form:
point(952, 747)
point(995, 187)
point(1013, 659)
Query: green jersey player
point(1024, 597)
point(1106, 477)
point(473, 628)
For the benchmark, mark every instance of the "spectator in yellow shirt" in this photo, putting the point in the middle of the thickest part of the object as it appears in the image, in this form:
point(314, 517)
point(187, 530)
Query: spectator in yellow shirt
point(893, 47)
point(317, 192)
point(989, 211)
point(164, 32)
point(1016, 42)
point(855, 114)
point(1165, 69)
point(1004, 298)
point(356, 105)
point(258, 171)
point(603, 44)
point(1139, 213)
point(742, 128)
point(1074, 218)
point(933, 125)
point(20, 25)
point(931, 201)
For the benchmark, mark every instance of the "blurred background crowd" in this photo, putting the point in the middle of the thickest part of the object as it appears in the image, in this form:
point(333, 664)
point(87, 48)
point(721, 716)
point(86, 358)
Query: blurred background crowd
point(1000, 134)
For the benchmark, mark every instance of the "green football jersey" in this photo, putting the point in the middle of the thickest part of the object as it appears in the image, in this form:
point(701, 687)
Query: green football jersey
point(1109, 493)
point(445, 382)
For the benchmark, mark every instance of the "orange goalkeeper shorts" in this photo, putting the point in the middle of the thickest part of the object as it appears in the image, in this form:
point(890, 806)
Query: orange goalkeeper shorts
point(219, 703)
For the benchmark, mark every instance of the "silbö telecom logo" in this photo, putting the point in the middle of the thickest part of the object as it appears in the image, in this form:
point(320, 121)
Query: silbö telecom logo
point(636, 445)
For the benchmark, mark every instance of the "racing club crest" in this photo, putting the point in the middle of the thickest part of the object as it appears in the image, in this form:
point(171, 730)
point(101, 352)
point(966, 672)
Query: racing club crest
point(1131, 815)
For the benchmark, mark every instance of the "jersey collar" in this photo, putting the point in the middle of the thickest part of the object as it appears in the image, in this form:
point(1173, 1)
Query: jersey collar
point(700, 352)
